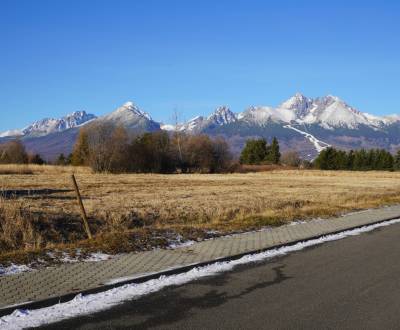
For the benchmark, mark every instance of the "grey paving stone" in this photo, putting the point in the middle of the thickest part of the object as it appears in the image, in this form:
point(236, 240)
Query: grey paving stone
point(63, 279)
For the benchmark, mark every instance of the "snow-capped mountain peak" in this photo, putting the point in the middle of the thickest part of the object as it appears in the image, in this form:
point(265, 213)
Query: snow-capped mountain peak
point(331, 112)
point(130, 107)
point(298, 103)
point(222, 116)
point(52, 125)
point(131, 117)
point(259, 115)
point(193, 124)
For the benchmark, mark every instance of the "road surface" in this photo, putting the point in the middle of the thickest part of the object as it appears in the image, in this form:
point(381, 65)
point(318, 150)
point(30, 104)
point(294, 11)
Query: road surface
point(353, 283)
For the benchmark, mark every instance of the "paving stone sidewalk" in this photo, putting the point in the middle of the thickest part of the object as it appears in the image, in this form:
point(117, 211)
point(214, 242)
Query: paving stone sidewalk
point(72, 278)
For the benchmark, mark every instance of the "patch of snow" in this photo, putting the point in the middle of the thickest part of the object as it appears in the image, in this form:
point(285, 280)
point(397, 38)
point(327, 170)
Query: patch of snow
point(65, 258)
point(167, 127)
point(212, 232)
point(390, 119)
point(179, 242)
point(98, 257)
point(260, 115)
point(181, 245)
point(89, 304)
point(10, 133)
point(93, 257)
point(193, 124)
point(14, 269)
point(294, 223)
point(129, 278)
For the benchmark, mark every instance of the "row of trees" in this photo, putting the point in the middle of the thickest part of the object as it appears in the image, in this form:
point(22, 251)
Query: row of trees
point(14, 152)
point(357, 160)
point(107, 148)
point(257, 151)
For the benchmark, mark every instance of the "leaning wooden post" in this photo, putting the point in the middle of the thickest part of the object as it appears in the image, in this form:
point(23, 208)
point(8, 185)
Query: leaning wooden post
point(83, 212)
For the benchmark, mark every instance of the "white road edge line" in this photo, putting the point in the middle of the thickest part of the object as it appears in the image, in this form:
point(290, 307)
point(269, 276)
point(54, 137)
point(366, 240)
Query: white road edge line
point(92, 303)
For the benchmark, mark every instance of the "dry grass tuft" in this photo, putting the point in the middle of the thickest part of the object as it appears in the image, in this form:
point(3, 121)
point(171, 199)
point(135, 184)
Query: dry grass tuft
point(15, 169)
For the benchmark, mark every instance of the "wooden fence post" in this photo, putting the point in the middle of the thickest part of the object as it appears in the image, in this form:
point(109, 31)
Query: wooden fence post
point(83, 212)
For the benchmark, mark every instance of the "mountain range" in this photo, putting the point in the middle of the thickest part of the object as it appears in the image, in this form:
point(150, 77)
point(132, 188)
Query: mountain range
point(305, 124)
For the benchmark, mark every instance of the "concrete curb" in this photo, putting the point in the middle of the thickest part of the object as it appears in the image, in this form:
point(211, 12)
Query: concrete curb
point(140, 279)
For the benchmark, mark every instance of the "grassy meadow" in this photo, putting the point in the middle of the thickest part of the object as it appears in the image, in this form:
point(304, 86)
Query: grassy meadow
point(130, 212)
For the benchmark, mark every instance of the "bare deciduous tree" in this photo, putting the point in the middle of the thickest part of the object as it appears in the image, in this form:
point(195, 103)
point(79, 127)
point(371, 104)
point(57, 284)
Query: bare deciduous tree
point(291, 158)
point(13, 152)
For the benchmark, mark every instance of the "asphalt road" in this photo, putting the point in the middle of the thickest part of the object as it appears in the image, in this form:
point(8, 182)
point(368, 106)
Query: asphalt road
point(353, 283)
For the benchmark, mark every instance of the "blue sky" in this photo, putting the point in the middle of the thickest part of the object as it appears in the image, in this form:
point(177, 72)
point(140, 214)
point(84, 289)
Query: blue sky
point(60, 56)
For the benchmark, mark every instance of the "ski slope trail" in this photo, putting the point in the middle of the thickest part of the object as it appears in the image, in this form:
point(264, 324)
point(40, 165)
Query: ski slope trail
point(318, 144)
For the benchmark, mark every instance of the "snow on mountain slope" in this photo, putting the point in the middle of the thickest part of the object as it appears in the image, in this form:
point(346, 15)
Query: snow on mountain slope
point(13, 132)
point(221, 116)
point(389, 119)
point(127, 112)
point(260, 115)
point(331, 112)
point(167, 127)
point(319, 145)
point(299, 104)
point(132, 118)
point(328, 117)
point(52, 125)
point(193, 125)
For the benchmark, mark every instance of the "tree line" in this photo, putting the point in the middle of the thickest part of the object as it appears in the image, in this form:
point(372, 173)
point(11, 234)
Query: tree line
point(257, 151)
point(357, 160)
point(14, 152)
point(106, 148)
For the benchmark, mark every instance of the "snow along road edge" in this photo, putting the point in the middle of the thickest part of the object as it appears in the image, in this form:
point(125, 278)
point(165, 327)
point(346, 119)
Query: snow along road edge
point(92, 303)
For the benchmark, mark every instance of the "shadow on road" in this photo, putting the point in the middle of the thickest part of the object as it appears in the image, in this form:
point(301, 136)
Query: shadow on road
point(175, 305)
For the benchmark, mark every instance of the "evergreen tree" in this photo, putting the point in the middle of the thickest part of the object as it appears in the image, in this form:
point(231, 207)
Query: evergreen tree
point(396, 161)
point(326, 159)
point(68, 160)
point(360, 160)
point(254, 152)
point(273, 154)
point(373, 160)
point(61, 160)
point(350, 160)
point(341, 160)
point(384, 160)
point(36, 159)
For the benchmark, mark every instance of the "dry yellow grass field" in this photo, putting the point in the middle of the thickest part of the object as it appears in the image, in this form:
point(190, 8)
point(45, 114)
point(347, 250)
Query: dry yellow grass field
point(135, 205)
